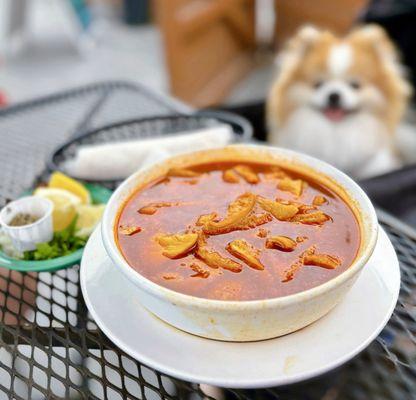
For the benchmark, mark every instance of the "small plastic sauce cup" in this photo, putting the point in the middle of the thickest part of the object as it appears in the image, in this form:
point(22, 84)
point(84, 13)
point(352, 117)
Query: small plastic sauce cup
point(26, 237)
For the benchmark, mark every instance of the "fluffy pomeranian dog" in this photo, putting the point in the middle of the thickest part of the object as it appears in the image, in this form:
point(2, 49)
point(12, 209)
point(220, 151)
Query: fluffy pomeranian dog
point(340, 99)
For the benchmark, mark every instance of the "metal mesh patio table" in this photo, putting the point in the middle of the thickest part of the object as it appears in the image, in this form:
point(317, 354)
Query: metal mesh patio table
point(51, 348)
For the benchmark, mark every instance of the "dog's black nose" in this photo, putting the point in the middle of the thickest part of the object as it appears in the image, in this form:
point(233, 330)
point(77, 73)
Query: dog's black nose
point(334, 99)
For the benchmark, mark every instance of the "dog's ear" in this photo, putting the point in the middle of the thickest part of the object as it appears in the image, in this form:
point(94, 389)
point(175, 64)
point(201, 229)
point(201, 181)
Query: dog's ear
point(305, 38)
point(377, 39)
point(297, 47)
point(302, 41)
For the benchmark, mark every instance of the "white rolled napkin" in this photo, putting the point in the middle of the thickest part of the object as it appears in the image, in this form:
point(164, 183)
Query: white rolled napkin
point(112, 161)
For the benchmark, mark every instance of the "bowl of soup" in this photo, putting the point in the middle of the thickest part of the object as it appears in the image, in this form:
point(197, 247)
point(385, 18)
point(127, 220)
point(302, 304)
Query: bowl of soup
point(240, 243)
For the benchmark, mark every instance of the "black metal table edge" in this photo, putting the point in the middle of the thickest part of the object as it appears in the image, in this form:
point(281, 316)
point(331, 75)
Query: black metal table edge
point(100, 85)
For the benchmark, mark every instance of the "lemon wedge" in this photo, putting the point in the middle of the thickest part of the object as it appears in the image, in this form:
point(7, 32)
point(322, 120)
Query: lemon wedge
point(58, 180)
point(88, 218)
point(64, 205)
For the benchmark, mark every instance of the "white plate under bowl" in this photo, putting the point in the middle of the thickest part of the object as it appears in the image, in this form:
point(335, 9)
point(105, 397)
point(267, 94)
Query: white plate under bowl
point(311, 351)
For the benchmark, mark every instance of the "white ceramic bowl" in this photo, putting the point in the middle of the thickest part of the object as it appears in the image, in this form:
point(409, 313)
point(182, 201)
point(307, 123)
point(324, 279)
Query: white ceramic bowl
point(245, 320)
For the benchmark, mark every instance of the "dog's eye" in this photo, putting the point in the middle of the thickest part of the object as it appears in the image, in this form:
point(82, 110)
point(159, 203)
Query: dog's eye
point(317, 84)
point(355, 84)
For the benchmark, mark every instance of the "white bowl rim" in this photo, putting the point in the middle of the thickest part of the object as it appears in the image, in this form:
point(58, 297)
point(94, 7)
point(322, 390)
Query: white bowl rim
point(179, 298)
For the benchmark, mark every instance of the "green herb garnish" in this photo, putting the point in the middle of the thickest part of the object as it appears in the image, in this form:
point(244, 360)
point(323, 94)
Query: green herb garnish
point(63, 243)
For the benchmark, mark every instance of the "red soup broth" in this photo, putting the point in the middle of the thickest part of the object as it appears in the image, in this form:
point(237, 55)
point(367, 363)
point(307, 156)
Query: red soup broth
point(267, 232)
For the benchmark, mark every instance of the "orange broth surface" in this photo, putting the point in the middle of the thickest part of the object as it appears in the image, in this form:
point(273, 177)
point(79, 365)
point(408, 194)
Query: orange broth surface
point(284, 273)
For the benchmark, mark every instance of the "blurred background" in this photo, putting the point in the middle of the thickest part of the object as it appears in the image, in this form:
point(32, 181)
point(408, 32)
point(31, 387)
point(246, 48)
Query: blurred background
point(204, 52)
